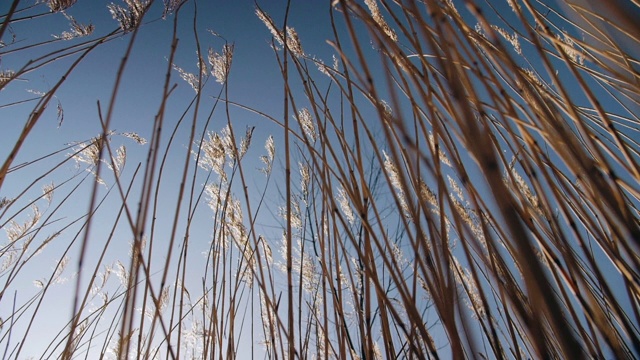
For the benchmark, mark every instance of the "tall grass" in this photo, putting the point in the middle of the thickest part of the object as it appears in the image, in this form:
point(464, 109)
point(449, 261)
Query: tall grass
point(460, 180)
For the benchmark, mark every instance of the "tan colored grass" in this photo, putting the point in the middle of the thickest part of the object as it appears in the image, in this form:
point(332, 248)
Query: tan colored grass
point(459, 183)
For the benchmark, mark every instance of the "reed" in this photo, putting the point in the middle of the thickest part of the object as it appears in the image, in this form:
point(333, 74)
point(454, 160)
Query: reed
point(461, 180)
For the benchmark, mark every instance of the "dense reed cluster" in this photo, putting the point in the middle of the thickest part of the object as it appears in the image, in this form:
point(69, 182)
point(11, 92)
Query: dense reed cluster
point(460, 180)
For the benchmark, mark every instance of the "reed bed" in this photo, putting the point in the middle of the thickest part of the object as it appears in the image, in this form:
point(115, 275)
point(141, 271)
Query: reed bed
point(460, 180)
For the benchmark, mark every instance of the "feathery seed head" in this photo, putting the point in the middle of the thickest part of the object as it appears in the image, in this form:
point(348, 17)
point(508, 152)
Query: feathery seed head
point(306, 123)
point(137, 247)
point(4, 202)
point(228, 144)
point(513, 4)
point(322, 67)
point(61, 265)
point(213, 193)
point(293, 42)
point(5, 77)
point(305, 179)
point(464, 278)
point(266, 251)
point(454, 186)
point(221, 63)
point(245, 142)
point(567, 46)
point(533, 77)
point(190, 78)
point(212, 154)
point(379, 20)
point(16, 231)
point(77, 29)
point(128, 18)
point(122, 274)
point(271, 153)
point(170, 6)
point(295, 215)
point(135, 137)
point(398, 256)
point(117, 162)
point(59, 5)
point(270, 24)
point(8, 259)
point(302, 263)
point(392, 171)
point(47, 191)
point(271, 148)
point(442, 157)
point(522, 188)
point(479, 30)
point(345, 206)
point(394, 179)
point(88, 154)
point(512, 39)
point(426, 194)
point(164, 299)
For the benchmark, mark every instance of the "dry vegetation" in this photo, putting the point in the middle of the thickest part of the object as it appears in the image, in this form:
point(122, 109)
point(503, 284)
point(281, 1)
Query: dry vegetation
point(471, 191)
